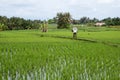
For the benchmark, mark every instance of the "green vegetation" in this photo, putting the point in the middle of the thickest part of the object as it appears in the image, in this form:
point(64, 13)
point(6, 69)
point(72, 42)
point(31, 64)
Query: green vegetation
point(108, 21)
point(63, 20)
point(34, 55)
point(17, 23)
point(3, 27)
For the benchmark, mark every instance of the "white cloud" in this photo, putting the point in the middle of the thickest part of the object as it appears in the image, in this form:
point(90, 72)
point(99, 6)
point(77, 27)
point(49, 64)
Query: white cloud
point(74, 2)
point(105, 1)
point(42, 9)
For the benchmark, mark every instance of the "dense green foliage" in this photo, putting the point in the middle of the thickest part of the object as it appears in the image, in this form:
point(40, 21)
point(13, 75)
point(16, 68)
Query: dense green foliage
point(112, 21)
point(85, 20)
point(108, 21)
point(33, 55)
point(3, 27)
point(16, 23)
point(63, 20)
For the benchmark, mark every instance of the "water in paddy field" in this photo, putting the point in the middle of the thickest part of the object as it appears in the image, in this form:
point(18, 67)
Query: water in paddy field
point(81, 70)
point(62, 67)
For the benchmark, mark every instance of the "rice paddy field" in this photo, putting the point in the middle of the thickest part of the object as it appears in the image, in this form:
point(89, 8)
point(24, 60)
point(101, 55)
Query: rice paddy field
point(54, 55)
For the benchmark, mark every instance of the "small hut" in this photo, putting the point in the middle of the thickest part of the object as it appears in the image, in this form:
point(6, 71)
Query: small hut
point(99, 24)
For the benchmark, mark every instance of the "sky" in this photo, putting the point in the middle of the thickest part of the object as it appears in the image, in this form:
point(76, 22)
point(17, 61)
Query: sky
point(47, 9)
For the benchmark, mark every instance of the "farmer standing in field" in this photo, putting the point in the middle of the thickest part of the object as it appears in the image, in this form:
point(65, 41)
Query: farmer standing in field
point(74, 30)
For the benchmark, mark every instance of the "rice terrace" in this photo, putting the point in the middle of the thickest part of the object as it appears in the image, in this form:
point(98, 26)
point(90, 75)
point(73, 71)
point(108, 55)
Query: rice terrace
point(55, 40)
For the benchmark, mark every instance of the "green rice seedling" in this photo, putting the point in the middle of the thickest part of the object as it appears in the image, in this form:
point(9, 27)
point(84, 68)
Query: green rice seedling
point(26, 55)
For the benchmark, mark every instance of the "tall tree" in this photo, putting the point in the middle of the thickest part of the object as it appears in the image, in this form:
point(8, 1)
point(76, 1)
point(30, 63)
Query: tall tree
point(84, 20)
point(108, 21)
point(63, 20)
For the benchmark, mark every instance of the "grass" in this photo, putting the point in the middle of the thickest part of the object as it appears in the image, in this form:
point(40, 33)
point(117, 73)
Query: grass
point(33, 55)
